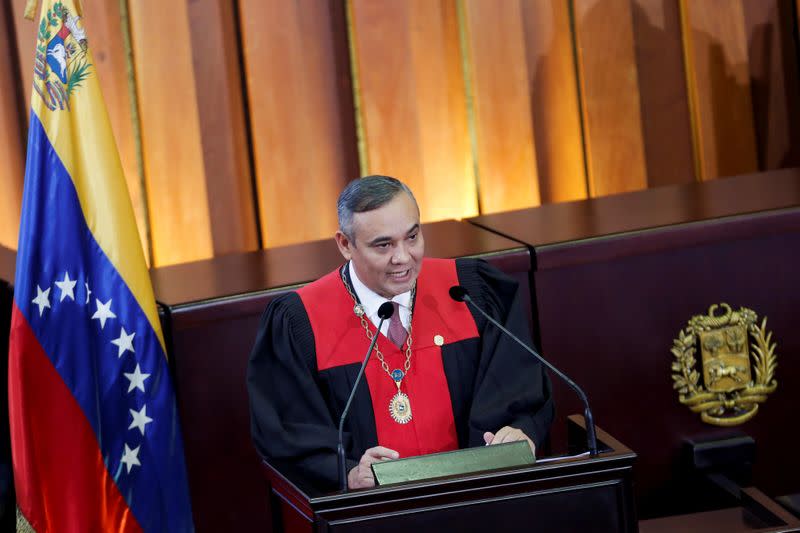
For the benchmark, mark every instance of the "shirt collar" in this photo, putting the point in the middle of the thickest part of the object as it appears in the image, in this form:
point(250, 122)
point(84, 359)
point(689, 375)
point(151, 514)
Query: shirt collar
point(372, 300)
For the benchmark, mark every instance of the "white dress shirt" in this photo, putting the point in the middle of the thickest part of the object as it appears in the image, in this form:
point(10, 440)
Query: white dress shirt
point(371, 301)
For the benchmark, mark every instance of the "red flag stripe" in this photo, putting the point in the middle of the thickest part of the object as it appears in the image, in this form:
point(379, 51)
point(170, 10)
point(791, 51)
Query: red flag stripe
point(60, 442)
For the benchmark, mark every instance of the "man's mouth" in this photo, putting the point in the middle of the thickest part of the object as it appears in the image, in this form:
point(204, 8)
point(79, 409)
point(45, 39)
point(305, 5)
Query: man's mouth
point(400, 275)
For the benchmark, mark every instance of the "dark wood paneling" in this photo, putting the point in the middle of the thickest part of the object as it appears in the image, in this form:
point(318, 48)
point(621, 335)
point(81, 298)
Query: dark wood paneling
point(7, 503)
point(772, 53)
point(718, 78)
point(212, 315)
point(616, 280)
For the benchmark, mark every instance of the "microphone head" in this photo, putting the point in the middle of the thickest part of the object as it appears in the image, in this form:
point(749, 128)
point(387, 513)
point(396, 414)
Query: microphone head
point(386, 310)
point(459, 293)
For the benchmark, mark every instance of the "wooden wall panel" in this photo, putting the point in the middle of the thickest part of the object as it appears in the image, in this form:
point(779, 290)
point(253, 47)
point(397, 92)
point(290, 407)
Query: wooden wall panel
point(223, 132)
point(412, 101)
point(505, 152)
point(553, 89)
point(666, 124)
point(12, 133)
point(172, 151)
point(304, 152)
point(770, 25)
point(610, 96)
point(718, 76)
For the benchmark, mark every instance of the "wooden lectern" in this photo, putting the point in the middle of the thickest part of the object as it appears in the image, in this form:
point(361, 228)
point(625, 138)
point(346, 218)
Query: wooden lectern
point(576, 493)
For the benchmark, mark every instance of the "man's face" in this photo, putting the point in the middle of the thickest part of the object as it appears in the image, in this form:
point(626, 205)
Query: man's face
point(386, 246)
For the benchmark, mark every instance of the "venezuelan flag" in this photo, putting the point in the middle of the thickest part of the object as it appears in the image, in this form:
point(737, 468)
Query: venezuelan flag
point(94, 427)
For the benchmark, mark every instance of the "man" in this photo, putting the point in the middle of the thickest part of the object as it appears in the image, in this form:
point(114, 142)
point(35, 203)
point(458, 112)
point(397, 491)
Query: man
point(440, 378)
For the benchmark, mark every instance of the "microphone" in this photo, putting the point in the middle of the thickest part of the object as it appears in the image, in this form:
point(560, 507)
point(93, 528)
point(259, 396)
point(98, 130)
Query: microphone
point(460, 294)
point(385, 311)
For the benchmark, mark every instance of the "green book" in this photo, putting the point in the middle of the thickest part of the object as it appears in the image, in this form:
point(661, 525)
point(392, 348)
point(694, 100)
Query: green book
point(453, 463)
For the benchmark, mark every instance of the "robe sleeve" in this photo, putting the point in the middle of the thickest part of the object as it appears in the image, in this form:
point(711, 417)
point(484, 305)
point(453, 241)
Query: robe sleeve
point(511, 387)
point(290, 420)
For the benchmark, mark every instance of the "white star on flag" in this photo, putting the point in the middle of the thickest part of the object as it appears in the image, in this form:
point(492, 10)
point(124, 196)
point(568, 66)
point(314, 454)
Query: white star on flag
point(88, 292)
point(42, 299)
point(103, 312)
point(67, 287)
point(140, 419)
point(131, 458)
point(136, 378)
point(124, 342)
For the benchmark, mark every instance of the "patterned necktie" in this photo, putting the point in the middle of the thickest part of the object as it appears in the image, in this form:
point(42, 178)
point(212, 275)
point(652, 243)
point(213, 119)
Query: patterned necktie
point(397, 333)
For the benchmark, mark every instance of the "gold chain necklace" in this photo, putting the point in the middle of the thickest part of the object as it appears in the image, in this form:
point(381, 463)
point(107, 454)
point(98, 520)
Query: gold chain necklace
point(399, 405)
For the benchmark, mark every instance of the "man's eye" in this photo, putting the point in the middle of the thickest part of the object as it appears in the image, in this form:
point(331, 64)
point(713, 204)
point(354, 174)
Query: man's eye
point(413, 237)
point(382, 245)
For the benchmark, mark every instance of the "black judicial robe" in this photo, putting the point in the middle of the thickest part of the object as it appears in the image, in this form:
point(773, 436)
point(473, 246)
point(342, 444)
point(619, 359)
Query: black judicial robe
point(474, 379)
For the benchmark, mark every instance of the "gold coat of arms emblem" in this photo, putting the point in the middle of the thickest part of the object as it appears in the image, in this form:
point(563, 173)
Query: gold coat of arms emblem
point(738, 365)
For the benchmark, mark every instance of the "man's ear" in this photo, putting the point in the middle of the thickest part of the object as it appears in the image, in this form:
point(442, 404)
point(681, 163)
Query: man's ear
point(344, 243)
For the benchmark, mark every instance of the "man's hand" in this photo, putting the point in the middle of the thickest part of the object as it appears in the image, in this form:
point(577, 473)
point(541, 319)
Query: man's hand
point(360, 477)
point(508, 434)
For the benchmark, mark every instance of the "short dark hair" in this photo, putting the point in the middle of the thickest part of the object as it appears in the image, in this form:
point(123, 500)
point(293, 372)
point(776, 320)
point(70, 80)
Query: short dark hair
point(366, 194)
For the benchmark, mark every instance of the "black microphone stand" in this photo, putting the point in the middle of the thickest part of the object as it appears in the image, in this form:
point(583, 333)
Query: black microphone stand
point(460, 294)
point(385, 311)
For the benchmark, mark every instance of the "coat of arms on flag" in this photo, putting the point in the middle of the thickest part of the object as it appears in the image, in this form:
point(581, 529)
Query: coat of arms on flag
point(61, 62)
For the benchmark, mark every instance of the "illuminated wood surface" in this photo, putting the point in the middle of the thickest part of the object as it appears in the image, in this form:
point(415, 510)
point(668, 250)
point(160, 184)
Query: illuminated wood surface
point(718, 77)
point(303, 152)
point(506, 156)
point(12, 132)
point(223, 133)
point(173, 156)
point(412, 101)
point(610, 96)
point(666, 123)
point(553, 90)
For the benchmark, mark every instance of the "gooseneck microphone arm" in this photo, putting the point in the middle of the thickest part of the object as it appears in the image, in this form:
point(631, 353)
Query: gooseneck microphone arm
point(460, 294)
point(385, 311)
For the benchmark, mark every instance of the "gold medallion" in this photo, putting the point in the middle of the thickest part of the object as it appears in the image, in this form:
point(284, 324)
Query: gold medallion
point(358, 310)
point(400, 408)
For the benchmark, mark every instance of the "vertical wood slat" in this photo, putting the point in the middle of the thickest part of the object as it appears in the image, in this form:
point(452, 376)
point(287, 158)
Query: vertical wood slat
point(412, 101)
point(170, 129)
point(610, 96)
point(505, 152)
point(12, 151)
point(553, 90)
point(769, 25)
point(718, 77)
point(303, 152)
point(666, 122)
point(218, 81)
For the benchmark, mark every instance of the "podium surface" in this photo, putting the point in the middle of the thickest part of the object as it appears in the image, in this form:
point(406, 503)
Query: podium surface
point(576, 493)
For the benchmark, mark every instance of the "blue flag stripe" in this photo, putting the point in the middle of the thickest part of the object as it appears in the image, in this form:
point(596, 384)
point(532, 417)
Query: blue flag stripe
point(56, 245)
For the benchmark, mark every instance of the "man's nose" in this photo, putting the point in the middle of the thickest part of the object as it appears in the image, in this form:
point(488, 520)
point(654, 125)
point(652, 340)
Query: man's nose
point(401, 254)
